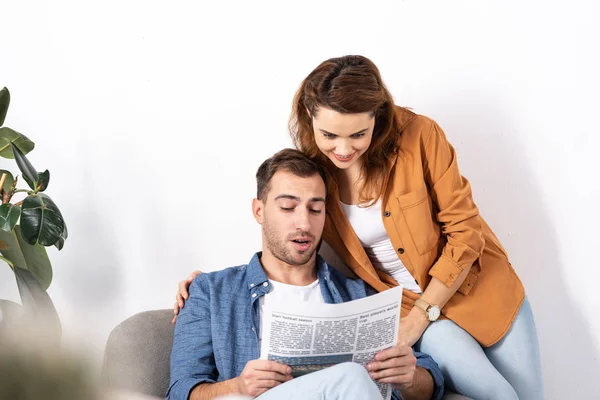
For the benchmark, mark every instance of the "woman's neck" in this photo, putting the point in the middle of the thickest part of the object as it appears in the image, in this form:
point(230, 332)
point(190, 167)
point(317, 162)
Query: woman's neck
point(349, 183)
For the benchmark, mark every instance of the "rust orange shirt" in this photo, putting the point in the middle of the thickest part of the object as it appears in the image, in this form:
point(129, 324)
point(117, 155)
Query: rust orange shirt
point(435, 227)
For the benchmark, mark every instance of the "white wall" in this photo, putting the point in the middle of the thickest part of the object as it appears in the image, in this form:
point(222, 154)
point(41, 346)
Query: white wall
point(153, 117)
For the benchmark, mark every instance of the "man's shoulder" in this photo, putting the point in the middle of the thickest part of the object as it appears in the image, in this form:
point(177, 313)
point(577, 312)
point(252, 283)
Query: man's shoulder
point(231, 277)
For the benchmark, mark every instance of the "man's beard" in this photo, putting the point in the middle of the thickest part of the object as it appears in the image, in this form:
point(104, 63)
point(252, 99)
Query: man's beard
point(277, 245)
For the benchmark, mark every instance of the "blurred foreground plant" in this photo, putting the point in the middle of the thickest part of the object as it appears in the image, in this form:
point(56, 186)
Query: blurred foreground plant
point(27, 226)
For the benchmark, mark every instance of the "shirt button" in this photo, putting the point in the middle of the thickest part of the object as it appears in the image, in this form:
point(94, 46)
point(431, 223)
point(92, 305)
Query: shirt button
point(252, 285)
point(253, 295)
point(401, 250)
point(266, 284)
point(253, 329)
point(387, 213)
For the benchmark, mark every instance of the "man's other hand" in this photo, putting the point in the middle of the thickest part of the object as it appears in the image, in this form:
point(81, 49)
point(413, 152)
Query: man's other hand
point(396, 365)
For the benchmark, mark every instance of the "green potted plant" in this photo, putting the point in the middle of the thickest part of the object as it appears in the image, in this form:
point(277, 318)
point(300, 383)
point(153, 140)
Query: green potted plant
point(28, 225)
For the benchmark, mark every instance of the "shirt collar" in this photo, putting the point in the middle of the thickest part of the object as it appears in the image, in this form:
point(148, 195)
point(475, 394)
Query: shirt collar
point(256, 276)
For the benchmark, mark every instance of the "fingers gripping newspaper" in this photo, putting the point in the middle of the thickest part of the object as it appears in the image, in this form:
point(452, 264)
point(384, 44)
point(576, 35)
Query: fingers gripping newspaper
point(310, 337)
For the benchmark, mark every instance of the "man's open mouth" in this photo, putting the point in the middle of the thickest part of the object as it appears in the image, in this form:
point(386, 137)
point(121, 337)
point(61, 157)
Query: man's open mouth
point(302, 244)
point(301, 241)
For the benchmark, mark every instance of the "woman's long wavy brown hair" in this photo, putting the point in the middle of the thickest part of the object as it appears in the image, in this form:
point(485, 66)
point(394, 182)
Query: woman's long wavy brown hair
point(349, 85)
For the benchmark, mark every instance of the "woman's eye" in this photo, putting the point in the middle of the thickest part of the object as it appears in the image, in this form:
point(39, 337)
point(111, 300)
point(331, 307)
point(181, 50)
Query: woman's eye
point(357, 135)
point(315, 211)
point(329, 135)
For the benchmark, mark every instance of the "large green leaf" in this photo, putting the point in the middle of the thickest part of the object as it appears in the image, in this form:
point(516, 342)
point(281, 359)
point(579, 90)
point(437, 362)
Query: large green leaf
point(8, 181)
point(9, 137)
point(9, 216)
point(29, 172)
point(36, 259)
point(41, 220)
point(26, 256)
point(38, 305)
point(4, 102)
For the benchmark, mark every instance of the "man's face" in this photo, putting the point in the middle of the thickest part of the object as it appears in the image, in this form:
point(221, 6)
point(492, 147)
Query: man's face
point(292, 217)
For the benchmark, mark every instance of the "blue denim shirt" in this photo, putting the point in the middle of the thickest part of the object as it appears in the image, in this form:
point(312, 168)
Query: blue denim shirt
point(216, 332)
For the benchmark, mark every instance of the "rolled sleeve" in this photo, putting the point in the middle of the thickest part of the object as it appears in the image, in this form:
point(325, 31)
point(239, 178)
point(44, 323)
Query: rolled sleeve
point(445, 270)
point(192, 356)
point(425, 361)
point(183, 388)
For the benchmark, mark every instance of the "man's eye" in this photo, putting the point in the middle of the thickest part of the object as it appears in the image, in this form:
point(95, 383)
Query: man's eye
point(287, 208)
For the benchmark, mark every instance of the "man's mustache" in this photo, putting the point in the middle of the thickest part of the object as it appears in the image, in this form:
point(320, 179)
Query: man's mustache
point(302, 236)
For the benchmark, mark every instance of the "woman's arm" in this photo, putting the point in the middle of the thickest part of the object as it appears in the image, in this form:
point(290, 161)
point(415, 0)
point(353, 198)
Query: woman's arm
point(436, 293)
point(459, 219)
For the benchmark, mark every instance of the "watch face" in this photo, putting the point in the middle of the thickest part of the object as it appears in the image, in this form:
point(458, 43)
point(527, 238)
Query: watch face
point(434, 313)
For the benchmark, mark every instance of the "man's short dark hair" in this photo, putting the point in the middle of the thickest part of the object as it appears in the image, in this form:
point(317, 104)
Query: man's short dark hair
point(289, 160)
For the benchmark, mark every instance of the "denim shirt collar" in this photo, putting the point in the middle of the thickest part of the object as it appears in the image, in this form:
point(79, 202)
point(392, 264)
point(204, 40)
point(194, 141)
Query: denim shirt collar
point(259, 285)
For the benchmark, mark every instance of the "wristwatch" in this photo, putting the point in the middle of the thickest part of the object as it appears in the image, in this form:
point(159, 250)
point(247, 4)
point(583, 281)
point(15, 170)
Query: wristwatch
point(432, 312)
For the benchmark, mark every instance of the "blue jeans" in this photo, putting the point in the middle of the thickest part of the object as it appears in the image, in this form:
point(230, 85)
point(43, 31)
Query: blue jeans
point(510, 369)
point(346, 381)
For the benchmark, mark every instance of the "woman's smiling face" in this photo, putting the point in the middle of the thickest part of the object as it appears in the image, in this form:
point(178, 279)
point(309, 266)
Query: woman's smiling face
point(343, 138)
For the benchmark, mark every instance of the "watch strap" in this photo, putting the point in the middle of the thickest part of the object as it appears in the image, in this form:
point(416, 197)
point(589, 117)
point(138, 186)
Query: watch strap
point(422, 304)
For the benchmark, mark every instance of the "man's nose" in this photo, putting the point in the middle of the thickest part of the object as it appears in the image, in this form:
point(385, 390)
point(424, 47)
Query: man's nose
point(302, 220)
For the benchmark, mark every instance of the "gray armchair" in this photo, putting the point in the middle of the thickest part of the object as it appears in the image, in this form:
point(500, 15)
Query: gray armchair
point(136, 358)
point(138, 352)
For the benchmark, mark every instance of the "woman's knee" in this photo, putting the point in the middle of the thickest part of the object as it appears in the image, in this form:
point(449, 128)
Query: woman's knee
point(464, 363)
point(500, 390)
point(520, 343)
point(480, 382)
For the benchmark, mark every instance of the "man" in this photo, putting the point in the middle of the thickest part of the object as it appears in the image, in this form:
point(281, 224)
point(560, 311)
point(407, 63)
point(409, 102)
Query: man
point(217, 335)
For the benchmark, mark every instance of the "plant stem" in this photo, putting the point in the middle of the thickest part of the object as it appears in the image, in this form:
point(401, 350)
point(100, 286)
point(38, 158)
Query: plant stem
point(2, 180)
point(6, 260)
point(20, 191)
point(7, 196)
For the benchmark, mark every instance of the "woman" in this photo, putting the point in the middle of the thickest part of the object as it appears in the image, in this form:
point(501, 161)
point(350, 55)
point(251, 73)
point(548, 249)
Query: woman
point(399, 212)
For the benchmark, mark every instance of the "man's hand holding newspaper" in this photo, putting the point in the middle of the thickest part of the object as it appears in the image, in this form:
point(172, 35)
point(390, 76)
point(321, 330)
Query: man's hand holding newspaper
point(396, 366)
point(259, 376)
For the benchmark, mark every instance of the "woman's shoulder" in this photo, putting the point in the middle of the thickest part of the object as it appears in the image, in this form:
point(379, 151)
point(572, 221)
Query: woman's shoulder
point(413, 129)
point(406, 118)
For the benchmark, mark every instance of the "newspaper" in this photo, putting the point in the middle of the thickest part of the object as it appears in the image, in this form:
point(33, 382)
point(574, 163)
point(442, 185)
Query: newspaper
point(309, 338)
